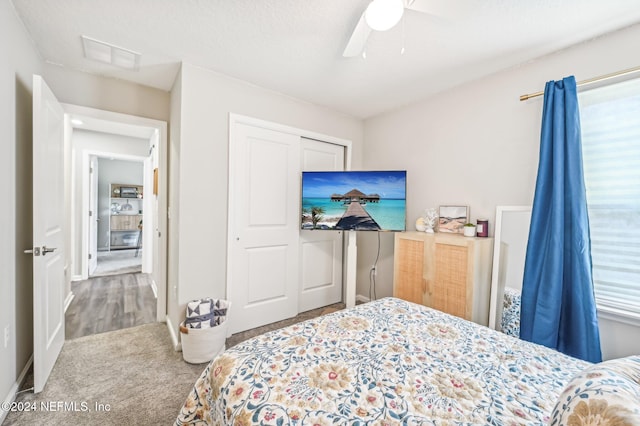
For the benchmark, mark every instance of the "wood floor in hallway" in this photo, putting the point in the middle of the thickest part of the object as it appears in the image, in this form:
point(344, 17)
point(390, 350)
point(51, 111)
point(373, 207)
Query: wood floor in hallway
point(110, 303)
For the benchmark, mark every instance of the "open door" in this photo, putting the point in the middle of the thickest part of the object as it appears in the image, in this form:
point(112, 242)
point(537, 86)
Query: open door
point(93, 214)
point(48, 231)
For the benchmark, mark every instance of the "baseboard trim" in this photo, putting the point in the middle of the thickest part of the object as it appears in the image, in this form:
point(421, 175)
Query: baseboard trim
point(154, 288)
point(177, 346)
point(13, 392)
point(361, 298)
point(68, 300)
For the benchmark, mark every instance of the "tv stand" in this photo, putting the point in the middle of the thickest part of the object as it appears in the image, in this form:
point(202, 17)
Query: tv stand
point(352, 266)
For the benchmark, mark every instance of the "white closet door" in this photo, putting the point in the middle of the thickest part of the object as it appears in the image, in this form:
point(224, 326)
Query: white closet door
point(264, 226)
point(320, 251)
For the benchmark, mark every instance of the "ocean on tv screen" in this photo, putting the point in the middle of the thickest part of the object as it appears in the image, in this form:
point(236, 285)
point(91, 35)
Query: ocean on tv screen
point(354, 200)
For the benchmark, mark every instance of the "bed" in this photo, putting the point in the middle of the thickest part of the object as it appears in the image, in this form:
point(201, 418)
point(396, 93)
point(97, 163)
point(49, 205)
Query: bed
point(386, 362)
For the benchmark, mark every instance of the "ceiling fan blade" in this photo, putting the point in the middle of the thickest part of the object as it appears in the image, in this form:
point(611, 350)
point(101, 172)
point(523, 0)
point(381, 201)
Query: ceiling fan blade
point(358, 39)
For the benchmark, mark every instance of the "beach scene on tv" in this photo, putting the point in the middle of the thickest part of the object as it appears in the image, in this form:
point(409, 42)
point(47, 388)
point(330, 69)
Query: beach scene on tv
point(354, 200)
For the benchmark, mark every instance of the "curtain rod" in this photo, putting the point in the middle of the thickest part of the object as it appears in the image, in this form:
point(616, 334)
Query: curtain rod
point(586, 82)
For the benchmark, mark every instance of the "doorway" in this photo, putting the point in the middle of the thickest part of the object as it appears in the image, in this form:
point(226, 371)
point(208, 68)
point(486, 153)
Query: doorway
point(107, 141)
point(55, 188)
point(117, 221)
point(116, 290)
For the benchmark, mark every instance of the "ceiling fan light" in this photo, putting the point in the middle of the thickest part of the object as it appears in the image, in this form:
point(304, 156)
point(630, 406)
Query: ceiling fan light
point(382, 15)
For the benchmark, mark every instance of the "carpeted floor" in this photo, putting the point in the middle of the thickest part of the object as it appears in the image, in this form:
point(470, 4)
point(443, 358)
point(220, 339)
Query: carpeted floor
point(242, 336)
point(130, 376)
point(134, 373)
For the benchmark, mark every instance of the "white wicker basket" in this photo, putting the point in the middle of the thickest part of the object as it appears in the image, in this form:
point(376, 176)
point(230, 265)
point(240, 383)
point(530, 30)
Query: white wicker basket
point(201, 345)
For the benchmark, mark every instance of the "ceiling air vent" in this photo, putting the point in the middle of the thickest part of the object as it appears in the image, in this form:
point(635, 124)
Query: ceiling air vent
point(109, 54)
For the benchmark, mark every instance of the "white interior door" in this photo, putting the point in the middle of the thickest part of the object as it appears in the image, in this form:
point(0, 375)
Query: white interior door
point(320, 251)
point(264, 226)
point(93, 214)
point(48, 231)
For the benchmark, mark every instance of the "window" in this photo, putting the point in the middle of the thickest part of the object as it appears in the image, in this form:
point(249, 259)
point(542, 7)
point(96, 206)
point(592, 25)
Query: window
point(610, 121)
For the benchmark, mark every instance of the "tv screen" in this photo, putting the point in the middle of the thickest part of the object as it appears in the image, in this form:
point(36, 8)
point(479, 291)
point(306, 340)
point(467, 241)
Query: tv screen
point(354, 200)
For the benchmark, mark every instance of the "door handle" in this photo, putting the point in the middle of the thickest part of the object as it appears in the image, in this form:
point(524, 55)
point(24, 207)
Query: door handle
point(46, 250)
point(35, 251)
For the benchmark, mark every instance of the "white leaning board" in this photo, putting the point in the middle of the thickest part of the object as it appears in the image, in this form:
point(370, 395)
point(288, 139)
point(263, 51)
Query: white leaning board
point(510, 249)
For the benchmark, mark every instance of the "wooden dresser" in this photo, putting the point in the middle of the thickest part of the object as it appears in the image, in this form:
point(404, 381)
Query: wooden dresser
point(447, 272)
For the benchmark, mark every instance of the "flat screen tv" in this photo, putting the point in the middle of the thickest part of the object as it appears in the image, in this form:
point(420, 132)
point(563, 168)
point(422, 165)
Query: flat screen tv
point(354, 200)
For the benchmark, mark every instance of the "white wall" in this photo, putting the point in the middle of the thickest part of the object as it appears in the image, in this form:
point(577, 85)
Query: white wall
point(173, 251)
point(109, 94)
point(19, 62)
point(206, 99)
point(478, 145)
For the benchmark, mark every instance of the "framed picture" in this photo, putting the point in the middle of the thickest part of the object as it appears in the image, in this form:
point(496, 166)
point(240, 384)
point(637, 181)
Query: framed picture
point(128, 192)
point(452, 218)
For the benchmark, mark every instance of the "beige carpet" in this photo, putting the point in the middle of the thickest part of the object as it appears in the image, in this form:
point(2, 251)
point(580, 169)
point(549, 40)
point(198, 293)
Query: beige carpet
point(242, 336)
point(134, 372)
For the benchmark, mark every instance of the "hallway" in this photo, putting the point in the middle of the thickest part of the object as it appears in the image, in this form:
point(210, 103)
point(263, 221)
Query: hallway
point(111, 302)
point(118, 262)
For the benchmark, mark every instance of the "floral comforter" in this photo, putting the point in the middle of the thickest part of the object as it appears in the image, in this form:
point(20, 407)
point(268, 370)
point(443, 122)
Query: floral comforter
point(387, 362)
point(511, 306)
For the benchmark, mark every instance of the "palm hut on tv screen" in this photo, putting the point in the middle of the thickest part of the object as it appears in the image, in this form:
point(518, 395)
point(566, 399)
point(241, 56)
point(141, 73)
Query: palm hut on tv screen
point(354, 200)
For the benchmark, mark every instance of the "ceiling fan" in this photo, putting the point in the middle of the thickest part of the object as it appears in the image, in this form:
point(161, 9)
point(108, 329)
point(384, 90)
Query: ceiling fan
point(381, 15)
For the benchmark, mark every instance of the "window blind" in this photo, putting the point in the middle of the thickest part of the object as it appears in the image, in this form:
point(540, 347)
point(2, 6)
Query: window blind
point(610, 122)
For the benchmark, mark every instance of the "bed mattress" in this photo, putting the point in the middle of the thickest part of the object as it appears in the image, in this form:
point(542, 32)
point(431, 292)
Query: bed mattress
point(384, 362)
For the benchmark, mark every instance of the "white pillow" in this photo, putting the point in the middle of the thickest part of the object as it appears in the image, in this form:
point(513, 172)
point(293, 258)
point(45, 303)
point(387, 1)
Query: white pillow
point(607, 393)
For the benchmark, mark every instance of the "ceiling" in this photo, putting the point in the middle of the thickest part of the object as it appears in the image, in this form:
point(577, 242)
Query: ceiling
point(295, 46)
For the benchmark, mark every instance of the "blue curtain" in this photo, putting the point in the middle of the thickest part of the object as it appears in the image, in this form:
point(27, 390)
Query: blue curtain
point(558, 304)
